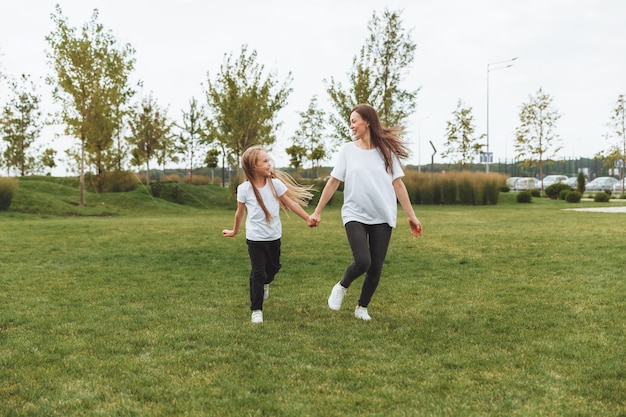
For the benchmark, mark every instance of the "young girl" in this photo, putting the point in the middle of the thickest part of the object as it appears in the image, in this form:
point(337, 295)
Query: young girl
point(264, 192)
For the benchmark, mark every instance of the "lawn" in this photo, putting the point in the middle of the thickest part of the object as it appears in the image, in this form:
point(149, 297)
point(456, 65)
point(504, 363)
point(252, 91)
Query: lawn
point(141, 309)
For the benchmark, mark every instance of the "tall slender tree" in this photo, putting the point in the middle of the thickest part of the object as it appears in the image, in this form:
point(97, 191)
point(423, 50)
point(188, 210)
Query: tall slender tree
point(377, 75)
point(20, 125)
point(462, 145)
point(90, 79)
point(190, 139)
point(243, 103)
point(150, 133)
point(536, 138)
point(311, 135)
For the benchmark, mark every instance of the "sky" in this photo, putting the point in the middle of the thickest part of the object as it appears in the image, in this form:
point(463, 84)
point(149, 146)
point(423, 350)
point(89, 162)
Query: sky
point(574, 50)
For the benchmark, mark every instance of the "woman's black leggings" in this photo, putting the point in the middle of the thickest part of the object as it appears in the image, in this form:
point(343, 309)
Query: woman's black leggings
point(369, 244)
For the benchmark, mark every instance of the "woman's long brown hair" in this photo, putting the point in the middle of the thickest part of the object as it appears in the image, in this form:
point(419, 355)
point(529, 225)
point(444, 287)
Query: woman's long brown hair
point(386, 140)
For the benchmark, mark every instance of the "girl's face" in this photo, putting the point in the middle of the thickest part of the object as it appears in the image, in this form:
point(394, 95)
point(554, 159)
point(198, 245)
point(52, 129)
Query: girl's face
point(358, 125)
point(263, 165)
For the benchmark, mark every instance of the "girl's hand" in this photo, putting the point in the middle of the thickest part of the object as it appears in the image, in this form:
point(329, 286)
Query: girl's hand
point(416, 227)
point(228, 233)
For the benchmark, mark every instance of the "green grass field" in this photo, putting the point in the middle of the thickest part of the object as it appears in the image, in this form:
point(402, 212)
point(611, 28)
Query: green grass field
point(133, 306)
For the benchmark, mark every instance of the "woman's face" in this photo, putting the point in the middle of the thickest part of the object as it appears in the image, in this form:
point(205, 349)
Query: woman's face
point(358, 125)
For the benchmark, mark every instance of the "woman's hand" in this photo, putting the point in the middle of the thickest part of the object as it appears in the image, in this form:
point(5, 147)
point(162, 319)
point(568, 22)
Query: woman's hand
point(416, 227)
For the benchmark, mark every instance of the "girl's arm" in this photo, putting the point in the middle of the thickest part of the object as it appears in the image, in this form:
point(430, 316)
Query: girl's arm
point(403, 197)
point(241, 209)
point(293, 206)
point(329, 189)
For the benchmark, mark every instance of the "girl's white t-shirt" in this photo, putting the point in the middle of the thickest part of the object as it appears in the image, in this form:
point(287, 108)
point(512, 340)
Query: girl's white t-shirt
point(256, 227)
point(369, 196)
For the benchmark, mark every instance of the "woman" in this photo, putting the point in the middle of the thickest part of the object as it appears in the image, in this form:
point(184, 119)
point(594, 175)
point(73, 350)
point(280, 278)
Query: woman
point(372, 174)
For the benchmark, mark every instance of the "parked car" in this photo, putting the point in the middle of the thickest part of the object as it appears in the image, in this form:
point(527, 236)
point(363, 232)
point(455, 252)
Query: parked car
point(510, 182)
point(553, 179)
point(527, 183)
point(619, 186)
point(573, 182)
point(601, 184)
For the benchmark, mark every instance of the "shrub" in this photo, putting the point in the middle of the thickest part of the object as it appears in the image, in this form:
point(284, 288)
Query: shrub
point(524, 197)
point(563, 194)
point(601, 197)
point(7, 189)
point(535, 193)
point(573, 197)
point(554, 190)
point(580, 183)
point(155, 188)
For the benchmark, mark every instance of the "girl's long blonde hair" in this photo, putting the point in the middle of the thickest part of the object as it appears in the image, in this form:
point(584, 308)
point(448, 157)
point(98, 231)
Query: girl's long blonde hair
point(298, 193)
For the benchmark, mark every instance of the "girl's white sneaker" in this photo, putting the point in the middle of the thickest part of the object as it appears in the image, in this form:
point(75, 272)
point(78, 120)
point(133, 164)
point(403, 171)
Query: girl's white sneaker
point(257, 316)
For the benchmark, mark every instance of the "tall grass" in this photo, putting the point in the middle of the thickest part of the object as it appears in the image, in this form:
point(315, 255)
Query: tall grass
point(454, 187)
point(507, 310)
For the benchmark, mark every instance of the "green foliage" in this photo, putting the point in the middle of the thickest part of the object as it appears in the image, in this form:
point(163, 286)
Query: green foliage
point(112, 182)
point(601, 197)
point(564, 192)
point(573, 197)
point(243, 103)
point(535, 193)
point(91, 81)
point(580, 183)
point(7, 190)
point(554, 191)
point(376, 76)
point(20, 125)
point(524, 197)
point(461, 146)
point(536, 138)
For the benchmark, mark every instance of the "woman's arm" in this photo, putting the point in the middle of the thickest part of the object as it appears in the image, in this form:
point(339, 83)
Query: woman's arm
point(403, 197)
point(329, 189)
point(241, 209)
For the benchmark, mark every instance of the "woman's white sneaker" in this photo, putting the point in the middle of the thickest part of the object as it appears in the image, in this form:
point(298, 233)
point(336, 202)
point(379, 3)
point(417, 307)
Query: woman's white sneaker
point(361, 313)
point(336, 296)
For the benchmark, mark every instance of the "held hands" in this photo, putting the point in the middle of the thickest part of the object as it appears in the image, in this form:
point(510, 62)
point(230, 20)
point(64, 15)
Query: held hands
point(314, 220)
point(416, 227)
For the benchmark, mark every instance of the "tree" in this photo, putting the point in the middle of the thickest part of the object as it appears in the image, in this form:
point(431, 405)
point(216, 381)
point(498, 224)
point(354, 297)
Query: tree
point(308, 141)
point(536, 140)
point(47, 159)
point(91, 83)
point(21, 125)
point(376, 76)
point(211, 160)
point(150, 132)
point(243, 103)
point(192, 133)
point(297, 154)
point(461, 145)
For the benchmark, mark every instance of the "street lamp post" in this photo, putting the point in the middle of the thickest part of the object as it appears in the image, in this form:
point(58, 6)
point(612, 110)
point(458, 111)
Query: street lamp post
point(493, 66)
point(419, 143)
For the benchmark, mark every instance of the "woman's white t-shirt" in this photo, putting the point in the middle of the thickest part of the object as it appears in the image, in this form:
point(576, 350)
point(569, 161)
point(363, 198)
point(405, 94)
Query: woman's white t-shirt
point(257, 227)
point(369, 196)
